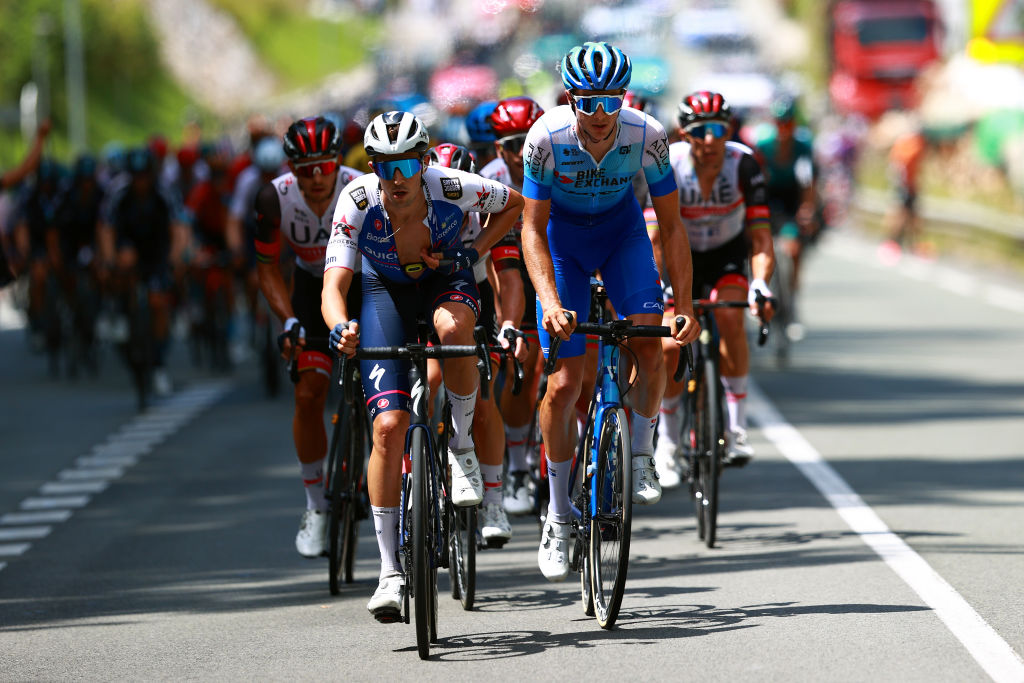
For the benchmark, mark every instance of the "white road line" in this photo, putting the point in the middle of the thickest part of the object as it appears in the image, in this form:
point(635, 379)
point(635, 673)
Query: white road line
point(24, 533)
point(13, 549)
point(53, 503)
point(105, 461)
point(91, 473)
point(993, 653)
point(59, 488)
point(45, 516)
point(114, 448)
point(2, 565)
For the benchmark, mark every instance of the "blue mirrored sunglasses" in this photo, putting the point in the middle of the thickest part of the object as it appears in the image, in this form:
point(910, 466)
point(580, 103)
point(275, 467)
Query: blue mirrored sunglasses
point(717, 130)
point(588, 104)
point(386, 169)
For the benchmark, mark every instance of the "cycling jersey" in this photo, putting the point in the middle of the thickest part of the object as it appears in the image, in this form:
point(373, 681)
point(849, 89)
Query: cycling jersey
point(280, 203)
point(507, 253)
point(595, 221)
point(361, 224)
point(784, 185)
point(143, 221)
point(560, 169)
point(738, 197)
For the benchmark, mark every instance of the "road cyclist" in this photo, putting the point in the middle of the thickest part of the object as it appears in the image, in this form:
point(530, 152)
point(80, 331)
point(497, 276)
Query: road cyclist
point(581, 215)
point(404, 222)
point(297, 208)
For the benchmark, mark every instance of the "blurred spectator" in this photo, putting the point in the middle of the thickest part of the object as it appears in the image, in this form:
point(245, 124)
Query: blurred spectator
point(903, 222)
point(14, 177)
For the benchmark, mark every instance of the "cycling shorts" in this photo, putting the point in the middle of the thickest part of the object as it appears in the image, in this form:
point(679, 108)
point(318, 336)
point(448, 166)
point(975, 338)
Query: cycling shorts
point(709, 267)
point(306, 306)
point(397, 308)
point(618, 246)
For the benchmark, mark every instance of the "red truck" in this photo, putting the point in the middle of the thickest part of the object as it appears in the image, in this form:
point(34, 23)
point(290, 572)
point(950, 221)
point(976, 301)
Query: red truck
point(877, 50)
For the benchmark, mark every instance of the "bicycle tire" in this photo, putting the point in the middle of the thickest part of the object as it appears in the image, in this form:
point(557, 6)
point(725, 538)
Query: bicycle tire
point(463, 559)
point(338, 484)
point(421, 552)
point(610, 528)
point(716, 444)
point(784, 306)
point(353, 510)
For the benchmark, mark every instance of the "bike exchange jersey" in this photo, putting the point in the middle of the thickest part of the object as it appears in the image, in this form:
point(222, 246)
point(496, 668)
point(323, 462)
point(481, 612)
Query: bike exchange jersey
point(560, 169)
point(738, 196)
point(361, 224)
point(280, 206)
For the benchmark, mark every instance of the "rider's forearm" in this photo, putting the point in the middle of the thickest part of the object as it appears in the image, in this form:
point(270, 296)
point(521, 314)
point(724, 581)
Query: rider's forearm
point(511, 301)
point(333, 305)
point(498, 224)
point(537, 253)
point(675, 246)
point(762, 258)
point(273, 287)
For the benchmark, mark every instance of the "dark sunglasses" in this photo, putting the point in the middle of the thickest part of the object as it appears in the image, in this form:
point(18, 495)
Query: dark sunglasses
point(387, 169)
point(588, 104)
point(700, 131)
point(308, 170)
point(513, 144)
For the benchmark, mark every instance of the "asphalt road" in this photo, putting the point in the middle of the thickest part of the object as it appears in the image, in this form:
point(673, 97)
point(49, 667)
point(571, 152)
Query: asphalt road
point(160, 546)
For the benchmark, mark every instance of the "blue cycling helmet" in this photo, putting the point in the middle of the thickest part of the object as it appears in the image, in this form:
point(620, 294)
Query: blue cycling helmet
point(478, 122)
point(596, 66)
point(268, 156)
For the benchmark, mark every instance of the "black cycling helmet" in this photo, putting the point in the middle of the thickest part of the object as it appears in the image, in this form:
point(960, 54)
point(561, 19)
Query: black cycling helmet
point(313, 136)
point(140, 160)
point(85, 167)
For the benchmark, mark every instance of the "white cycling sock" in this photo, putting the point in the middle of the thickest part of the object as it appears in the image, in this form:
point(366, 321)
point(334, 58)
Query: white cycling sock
point(641, 428)
point(313, 480)
point(736, 401)
point(385, 523)
point(558, 486)
point(671, 422)
point(462, 418)
point(492, 483)
point(516, 438)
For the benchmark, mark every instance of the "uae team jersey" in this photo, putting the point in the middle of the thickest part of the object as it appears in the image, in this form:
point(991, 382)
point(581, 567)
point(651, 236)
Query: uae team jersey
point(738, 197)
point(361, 225)
point(560, 169)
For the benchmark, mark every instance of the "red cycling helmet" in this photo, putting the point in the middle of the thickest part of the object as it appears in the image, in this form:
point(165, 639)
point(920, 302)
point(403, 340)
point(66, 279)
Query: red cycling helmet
point(311, 137)
point(636, 101)
point(514, 116)
point(704, 106)
point(452, 156)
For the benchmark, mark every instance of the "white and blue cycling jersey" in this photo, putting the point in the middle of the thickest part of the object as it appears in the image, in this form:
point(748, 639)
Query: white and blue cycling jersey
point(596, 223)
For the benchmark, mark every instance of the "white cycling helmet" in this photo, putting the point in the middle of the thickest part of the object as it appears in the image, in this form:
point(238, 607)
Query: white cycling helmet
point(396, 132)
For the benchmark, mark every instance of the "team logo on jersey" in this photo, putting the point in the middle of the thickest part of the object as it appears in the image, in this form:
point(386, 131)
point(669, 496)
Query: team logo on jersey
point(452, 188)
point(359, 197)
point(343, 227)
point(383, 403)
point(482, 197)
point(455, 297)
point(377, 225)
point(564, 179)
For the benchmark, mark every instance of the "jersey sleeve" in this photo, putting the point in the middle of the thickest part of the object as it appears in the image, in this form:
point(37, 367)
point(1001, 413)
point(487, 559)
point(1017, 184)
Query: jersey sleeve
point(343, 247)
point(755, 193)
point(479, 194)
point(268, 224)
point(539, 163)
point(657, 168)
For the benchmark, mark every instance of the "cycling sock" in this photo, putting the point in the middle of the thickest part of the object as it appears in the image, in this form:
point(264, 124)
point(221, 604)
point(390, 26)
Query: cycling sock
point(735, 401)
point(558, 486)
point(642, 429)
point(671, 422)
point(516, 438)
point(492, 483)
point(313, 480)
point(462, 418)
point(385, 523)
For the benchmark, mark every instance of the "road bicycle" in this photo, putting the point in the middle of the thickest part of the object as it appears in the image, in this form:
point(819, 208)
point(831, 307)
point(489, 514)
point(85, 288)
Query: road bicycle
point(430, 535)
point(600, 485)
point(703, 436)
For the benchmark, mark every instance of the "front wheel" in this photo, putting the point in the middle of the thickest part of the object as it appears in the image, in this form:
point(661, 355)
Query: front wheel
point(610, 525)
point(422, 555)
point(462, 555)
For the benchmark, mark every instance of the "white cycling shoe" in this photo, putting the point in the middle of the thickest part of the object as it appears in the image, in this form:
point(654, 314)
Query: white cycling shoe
point(737, 451)
point(494, 526)
point(666, 465)
point(518, 498)
point(553, 554)
point(467, 482)
point(386, 603)
point(646, 487)
point(311, 541)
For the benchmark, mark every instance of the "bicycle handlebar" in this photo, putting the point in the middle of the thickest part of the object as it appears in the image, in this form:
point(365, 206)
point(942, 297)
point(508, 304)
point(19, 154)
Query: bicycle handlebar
point(761, 299)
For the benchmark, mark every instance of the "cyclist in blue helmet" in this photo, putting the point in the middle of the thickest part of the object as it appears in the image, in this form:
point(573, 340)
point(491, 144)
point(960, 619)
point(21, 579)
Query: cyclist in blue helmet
point(481, 135)
point(581, 215)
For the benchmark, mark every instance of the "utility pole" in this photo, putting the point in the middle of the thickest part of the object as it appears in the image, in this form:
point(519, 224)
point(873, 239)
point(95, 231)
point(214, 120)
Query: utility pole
point(74, 62)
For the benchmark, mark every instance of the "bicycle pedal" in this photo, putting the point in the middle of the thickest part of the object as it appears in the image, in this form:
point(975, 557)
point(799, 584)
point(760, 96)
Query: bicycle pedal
point(388, 615)
point(495, 543)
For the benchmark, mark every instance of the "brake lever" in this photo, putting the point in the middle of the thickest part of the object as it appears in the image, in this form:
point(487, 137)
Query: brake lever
point(483, 364)
point(549, 364)
point(517, 380)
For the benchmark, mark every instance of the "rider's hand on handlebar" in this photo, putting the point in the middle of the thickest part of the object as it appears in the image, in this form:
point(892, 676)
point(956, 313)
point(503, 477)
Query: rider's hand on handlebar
point(758, 286)
point(557, 324)
point(521, 346)
point(690, 329)
point(448, 261)
point(345, 338)
point(292, 329)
